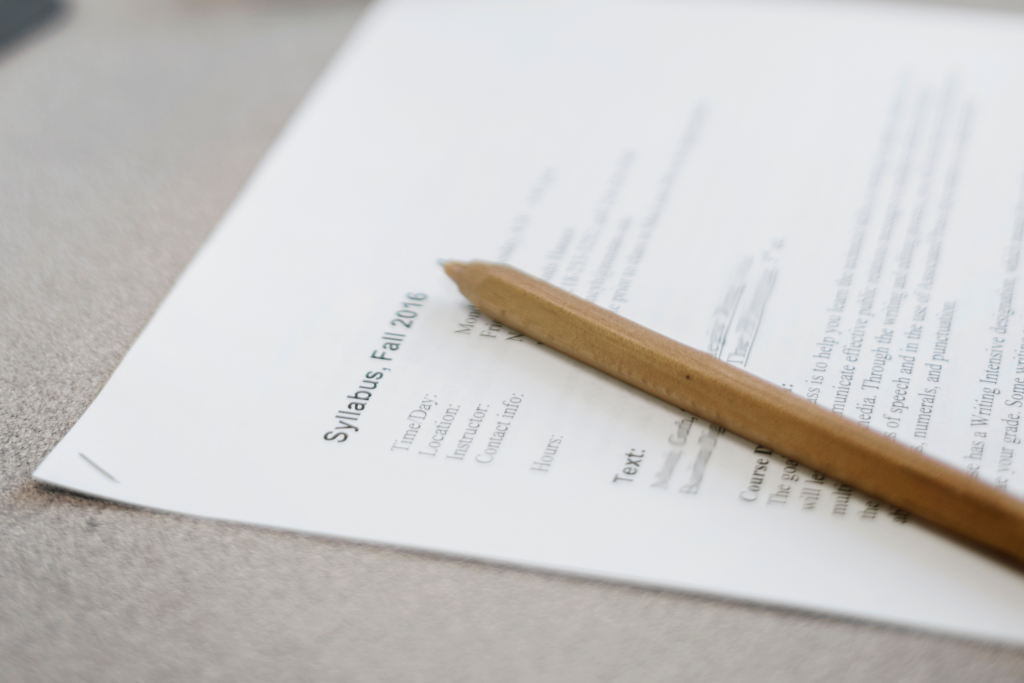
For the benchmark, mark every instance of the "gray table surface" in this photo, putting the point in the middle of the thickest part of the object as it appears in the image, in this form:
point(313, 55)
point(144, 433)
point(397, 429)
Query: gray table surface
point(126, 129)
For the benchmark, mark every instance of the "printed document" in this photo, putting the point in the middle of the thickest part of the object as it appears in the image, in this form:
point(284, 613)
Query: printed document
point(829, 196)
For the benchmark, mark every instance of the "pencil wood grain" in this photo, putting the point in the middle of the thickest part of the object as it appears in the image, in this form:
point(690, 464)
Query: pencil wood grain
point(747, 405)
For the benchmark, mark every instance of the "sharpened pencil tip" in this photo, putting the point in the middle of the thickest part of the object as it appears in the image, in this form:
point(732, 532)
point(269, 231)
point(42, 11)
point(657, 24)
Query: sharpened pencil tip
point(452, 268)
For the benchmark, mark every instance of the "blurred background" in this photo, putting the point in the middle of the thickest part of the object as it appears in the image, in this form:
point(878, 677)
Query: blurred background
point(127, 127)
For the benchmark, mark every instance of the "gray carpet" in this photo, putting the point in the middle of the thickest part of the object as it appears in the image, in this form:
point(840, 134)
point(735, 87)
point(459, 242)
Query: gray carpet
point(126, 129)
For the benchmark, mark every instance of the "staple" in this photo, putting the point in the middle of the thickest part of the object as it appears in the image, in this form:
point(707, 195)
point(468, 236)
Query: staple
point(108, 475)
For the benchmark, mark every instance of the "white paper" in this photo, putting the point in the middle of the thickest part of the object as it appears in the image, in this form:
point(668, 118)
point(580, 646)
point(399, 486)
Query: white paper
point(829, 196)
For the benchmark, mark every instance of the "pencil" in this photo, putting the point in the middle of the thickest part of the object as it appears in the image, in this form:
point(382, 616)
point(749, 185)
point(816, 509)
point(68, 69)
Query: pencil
point(747, 406)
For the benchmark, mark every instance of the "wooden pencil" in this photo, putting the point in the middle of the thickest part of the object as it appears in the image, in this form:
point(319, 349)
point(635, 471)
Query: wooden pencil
point(747, 405)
